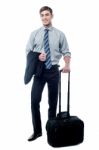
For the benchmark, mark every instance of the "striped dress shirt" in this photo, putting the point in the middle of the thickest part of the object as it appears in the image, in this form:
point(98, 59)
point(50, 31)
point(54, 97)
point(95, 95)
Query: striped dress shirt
point(57, 42)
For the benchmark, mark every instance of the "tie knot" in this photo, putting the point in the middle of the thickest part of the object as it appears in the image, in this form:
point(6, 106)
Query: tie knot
point(46, 30)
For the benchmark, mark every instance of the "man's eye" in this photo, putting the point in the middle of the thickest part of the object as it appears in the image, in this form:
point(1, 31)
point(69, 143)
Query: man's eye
point(47, 14)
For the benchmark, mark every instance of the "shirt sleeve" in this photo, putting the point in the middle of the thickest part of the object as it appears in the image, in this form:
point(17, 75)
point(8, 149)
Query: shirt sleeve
point(64, 48)
point(30, 43)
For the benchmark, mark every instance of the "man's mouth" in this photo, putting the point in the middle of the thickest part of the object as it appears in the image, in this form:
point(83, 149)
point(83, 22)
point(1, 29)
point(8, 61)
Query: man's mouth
point(45, 20)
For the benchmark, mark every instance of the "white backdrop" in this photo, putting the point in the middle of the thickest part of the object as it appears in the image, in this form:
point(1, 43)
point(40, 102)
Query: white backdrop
point(79, 20)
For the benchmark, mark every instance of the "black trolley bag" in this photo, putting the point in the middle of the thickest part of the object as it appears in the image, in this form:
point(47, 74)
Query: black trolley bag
point(65, 130)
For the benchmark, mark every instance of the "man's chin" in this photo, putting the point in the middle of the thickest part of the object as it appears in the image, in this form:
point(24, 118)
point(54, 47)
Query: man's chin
point(46, 24)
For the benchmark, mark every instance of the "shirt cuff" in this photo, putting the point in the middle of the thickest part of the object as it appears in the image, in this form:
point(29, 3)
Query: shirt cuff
point(67, 54)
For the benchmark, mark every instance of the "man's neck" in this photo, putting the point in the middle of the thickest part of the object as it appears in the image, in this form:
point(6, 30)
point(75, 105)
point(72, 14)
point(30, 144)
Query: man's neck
point(48, 26)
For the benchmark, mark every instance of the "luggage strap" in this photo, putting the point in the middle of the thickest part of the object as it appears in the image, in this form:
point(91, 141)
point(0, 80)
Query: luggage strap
point(68, 94)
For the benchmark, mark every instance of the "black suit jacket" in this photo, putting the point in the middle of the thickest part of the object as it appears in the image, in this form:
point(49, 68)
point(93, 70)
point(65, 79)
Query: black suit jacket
point(33, 66)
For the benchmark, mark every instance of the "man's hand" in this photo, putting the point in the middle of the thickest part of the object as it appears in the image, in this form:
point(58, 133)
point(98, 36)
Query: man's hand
point(66, 69)
point(67, 64)
point(42, 56)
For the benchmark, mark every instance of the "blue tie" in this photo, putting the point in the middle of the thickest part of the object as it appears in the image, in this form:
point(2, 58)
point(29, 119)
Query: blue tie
point(48, 63)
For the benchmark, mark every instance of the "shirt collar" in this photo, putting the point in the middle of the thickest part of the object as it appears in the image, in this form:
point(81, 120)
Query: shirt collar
point(49, 28)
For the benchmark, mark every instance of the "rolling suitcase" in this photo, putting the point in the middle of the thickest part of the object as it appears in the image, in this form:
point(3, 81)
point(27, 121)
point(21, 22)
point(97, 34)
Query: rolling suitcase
point(65, 130)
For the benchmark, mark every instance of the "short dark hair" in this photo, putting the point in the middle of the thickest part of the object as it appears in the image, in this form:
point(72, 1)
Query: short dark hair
point(46, 8)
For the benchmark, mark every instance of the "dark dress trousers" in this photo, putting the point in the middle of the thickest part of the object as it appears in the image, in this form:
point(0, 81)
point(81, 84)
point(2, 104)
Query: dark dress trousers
point(51, 77)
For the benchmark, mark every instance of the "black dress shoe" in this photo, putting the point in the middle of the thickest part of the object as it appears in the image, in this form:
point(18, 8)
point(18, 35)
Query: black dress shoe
point(34, 136)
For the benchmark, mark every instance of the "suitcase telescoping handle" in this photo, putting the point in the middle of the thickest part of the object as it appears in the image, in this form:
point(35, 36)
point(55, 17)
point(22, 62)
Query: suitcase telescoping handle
point(68, 94)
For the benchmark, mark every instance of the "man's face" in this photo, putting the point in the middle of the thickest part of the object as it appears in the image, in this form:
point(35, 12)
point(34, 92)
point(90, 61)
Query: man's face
point(46, 17)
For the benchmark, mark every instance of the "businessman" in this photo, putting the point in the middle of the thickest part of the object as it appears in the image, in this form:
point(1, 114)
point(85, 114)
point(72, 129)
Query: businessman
point(51, 43)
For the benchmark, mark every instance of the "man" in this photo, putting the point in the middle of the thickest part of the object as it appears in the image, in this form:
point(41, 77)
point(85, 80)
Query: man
point(52, 44)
